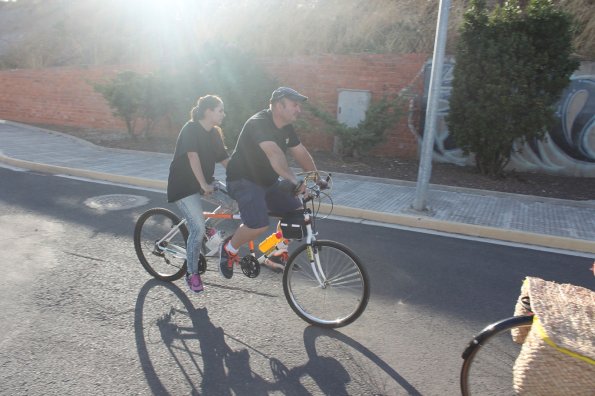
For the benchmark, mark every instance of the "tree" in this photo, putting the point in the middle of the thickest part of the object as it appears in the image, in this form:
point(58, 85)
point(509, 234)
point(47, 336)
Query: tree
point(511, 67)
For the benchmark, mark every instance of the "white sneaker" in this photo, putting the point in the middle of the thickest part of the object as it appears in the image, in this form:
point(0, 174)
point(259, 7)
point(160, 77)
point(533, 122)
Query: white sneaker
point(214, 243)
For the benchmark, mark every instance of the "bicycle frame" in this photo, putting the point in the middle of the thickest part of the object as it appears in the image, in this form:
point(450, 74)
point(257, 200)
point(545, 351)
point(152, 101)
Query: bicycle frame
point(163, 245)
point(178, 251)
point(310, 239)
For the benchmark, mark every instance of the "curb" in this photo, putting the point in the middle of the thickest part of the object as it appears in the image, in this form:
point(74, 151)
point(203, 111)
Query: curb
point(418, 221)
point(62, 170)
point(521, 197)
point(508, 235)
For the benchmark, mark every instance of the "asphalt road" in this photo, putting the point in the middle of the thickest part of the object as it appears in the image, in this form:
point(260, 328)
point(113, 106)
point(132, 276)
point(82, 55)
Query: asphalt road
point(79, 315)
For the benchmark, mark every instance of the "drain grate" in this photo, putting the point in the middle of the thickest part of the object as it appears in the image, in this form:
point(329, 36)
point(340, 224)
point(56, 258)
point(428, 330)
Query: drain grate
point(116, 202)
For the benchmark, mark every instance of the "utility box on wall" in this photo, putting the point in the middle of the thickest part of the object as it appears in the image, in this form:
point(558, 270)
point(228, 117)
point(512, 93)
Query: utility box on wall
point(352, 106)
point(351, 110)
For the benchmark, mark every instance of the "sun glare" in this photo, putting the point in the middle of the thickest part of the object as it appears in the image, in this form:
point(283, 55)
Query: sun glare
point(170, 27)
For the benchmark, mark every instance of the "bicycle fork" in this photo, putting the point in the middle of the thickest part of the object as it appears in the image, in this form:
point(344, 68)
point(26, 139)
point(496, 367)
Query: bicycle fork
point(314, 257)
point(315, 265)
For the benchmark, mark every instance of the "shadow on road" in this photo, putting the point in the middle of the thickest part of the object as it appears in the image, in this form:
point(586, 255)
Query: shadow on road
point(181, 350)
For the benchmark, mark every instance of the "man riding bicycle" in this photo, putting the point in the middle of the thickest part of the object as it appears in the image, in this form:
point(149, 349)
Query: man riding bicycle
point(254, 168)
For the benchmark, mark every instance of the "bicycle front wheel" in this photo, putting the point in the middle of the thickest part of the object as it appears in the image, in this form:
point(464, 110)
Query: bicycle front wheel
point(331, 290)
point(489, 358)
point(163, 259)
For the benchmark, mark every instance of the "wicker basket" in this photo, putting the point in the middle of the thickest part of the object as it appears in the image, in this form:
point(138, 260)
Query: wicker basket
point(558, 356)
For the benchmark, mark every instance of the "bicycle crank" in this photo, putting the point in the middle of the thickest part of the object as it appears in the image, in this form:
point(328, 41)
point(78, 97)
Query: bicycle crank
point(250, 266)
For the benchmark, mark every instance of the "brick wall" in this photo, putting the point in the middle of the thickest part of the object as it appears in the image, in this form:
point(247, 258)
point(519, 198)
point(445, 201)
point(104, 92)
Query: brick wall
point(65, 95)
point(321, 76)
point(59, 96)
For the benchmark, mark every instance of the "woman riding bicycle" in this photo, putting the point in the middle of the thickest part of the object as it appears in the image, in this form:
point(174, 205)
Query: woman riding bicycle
point(198, 148)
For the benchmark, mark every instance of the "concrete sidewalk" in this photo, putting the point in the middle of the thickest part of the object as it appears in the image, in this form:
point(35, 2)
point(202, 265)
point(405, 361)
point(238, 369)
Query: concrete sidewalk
point(553, 223)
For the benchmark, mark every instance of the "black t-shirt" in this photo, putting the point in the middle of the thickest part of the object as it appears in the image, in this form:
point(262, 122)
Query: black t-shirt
point(248, 160)
point(210, 148)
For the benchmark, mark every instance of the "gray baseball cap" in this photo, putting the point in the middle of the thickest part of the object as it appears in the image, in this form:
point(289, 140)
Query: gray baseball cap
point(289, 93)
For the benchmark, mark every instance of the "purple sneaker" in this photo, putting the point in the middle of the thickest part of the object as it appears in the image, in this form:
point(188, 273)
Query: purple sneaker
point(194, 283)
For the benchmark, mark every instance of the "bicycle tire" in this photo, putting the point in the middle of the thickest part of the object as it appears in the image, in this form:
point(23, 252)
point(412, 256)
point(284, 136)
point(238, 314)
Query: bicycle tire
point(347, 288)
point(150, 227)
point(489, 358)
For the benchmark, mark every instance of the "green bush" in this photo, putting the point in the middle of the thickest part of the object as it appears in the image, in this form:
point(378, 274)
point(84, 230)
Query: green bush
point(370, 132)
point(511, 67)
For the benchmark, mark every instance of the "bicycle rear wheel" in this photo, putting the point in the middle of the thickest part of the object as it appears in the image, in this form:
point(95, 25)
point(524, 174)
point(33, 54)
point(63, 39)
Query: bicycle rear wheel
point(164, 262)
point(339, 297)
point(489, 358)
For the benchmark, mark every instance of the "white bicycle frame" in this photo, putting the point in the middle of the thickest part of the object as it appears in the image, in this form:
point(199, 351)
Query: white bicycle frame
point(163, 245)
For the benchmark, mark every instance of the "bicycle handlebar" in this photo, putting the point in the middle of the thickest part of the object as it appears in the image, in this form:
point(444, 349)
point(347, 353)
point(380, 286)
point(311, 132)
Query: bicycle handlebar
point(315, 184)
point(312, 180)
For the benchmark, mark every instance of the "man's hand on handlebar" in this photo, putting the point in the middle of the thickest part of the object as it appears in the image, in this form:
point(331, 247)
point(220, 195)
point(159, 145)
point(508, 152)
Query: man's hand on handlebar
point(300, 187)
point(305, 186)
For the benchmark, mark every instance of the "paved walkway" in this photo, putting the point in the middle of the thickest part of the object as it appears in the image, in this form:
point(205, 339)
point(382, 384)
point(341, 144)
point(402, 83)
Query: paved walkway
point(524, 219)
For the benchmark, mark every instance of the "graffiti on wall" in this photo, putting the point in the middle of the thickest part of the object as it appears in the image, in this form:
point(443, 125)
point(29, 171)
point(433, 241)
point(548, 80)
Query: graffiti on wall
point(568, 148)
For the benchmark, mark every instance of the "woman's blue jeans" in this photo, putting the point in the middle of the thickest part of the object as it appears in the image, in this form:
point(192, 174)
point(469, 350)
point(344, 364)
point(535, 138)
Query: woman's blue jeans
point(191, 207)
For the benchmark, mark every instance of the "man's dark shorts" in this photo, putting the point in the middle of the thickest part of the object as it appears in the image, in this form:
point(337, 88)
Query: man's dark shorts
point(255, 202)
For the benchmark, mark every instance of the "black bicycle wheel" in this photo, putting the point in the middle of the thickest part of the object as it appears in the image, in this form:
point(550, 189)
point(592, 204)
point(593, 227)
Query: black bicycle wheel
point(489, 358)
point(339, 297)
point(164, 262)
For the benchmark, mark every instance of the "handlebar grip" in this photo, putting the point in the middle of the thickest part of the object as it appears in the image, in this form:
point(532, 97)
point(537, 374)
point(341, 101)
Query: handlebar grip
point(323, 184)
